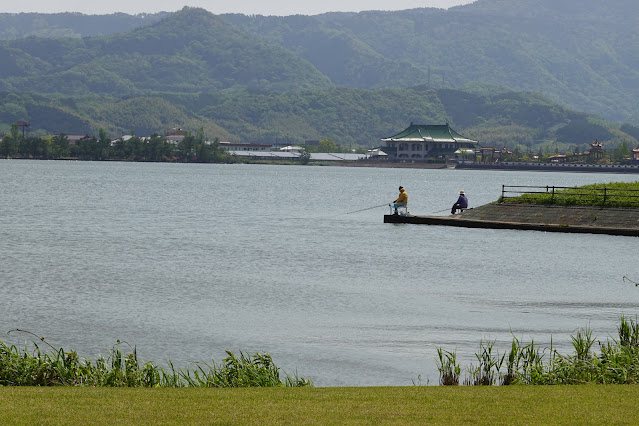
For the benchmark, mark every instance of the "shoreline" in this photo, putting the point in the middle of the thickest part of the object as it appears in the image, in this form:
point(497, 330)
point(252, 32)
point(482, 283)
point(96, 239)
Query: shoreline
point(506, 166)
point(553, 167)
point(543, 167)
point(546, 167)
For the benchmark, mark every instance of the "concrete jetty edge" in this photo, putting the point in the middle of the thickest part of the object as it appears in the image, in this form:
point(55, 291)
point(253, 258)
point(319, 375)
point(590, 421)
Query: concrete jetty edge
point(567, 219)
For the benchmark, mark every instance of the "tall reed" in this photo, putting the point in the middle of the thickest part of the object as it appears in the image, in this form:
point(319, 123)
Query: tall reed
point(616, 362)
point(21, 367)
point(448, 367)
point(489, 365)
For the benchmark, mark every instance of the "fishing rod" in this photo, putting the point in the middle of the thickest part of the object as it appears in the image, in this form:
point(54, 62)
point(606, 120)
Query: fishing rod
point(635, 283)
point(441, 211)
point(368, 208)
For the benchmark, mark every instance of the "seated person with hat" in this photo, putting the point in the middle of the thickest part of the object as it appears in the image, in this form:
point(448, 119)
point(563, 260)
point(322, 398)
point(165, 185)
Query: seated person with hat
point(461, 203)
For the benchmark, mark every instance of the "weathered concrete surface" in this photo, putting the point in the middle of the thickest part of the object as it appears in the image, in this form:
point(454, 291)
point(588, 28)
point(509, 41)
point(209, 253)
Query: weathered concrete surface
point(594, 220)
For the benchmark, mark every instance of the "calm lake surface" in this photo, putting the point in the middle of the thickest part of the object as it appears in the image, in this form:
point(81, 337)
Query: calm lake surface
point(185, 261)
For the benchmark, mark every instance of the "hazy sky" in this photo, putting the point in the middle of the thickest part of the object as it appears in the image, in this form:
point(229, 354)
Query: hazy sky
point(247, 7)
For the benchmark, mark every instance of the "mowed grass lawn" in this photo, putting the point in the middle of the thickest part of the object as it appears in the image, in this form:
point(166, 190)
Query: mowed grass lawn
point(588, 404)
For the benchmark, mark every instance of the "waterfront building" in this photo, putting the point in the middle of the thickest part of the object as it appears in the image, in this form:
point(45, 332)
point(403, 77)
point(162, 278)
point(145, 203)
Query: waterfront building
point(423, 141)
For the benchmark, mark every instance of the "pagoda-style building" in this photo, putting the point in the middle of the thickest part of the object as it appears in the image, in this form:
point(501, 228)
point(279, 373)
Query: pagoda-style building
point(596, 150)
point(422, 141)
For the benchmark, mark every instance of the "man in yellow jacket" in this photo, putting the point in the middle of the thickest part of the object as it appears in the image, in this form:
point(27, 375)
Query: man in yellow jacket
point(401, 201)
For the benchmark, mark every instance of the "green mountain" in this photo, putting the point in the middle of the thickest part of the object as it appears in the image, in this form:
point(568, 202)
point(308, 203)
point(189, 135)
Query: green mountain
point(58, 25)
point(579, 53)
point(498, 71)
point(189, 51)
point(334, 50)
point(583, 54)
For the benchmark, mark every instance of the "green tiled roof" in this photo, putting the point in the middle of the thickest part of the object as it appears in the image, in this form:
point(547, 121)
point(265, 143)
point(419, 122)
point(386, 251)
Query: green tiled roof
point(428, 133)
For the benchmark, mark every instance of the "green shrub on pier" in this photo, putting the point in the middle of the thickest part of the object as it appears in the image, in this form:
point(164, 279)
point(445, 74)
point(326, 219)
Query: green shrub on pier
point(614, 194)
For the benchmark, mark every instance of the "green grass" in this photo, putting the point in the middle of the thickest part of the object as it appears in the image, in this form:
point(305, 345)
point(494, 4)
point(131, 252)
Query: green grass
point(613, 194)
point(378, 405)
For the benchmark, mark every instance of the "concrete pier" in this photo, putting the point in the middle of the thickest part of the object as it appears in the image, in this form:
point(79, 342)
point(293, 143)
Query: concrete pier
point(549, 218)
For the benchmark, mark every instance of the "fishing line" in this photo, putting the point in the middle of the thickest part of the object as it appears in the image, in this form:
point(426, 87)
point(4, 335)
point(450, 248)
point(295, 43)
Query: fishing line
point(368, 208)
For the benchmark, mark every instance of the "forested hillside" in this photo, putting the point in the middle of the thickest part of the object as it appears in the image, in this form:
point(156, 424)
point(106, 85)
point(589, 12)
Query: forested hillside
point(351, 117)
point(189, 51)
point(56, 25)
point(498, 71)
point(584, 54)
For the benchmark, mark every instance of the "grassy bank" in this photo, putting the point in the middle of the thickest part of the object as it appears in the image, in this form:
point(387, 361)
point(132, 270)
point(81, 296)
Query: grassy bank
point(613, 194)
point(423, 405)
point(75, 398)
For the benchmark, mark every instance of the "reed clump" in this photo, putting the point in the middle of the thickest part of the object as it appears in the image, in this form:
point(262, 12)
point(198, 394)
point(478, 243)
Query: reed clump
point(449, 369)
point(23, 367)
point(616, 362)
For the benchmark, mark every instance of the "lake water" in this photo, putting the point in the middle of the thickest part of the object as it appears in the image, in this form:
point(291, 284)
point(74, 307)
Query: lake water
point(185, 261)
